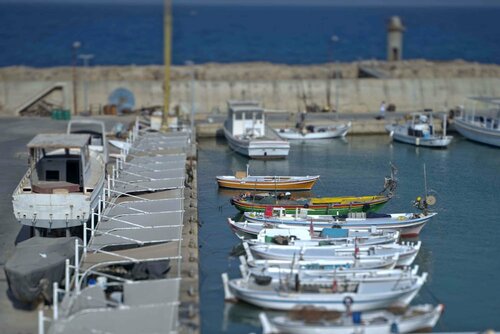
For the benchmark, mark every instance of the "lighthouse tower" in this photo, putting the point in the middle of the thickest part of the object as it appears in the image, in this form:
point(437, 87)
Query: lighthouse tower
point(395, 31)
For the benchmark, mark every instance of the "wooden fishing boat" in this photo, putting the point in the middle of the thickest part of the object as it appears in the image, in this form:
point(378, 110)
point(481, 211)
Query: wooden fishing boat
point(327, 236)
point(408, 224)
point(419, 131)
point(325, 205)
point(407, 251)
point(243, 180)
point(311, 132)
point(245, 132)
point(419, 318)
point(291, 294)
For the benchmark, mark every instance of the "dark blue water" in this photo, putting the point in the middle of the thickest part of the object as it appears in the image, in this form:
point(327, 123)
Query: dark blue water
point(42, 34)
point(460, 248)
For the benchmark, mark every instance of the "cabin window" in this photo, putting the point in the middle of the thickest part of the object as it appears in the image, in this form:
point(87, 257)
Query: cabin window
point(238, 115)
point(51, 175)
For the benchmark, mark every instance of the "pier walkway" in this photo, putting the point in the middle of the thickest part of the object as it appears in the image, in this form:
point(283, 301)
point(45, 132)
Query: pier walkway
point(135, 274)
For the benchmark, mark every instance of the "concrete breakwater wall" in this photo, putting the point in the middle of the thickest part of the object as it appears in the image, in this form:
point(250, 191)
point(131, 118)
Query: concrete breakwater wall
point(283, 92)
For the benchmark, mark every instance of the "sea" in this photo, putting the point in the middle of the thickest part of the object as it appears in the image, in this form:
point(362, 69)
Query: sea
point(460, 249)
point(42, 34)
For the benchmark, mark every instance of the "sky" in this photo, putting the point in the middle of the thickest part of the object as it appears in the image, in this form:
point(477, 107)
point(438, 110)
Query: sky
point(420, 3)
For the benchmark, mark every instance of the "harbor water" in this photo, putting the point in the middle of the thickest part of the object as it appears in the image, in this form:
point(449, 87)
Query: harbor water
point(460, 245)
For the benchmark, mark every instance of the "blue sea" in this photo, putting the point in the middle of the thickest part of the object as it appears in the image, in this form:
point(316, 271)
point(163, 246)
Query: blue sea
point(41, 35)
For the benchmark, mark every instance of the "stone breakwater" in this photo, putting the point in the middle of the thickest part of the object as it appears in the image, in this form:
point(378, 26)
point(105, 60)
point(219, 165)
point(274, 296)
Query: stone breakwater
point(409, 85)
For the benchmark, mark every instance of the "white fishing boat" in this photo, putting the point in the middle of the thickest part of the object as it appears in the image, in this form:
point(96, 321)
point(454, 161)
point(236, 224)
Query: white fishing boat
point(408, 224)
point(327, 236)
point(245, 131)
point(316, 273)
point(481, 129)
point(63, 183)
point(419, 131)
point(289, 294)
point(407, 252)
point(418, 318)
point(359, 262)
point(311, 132)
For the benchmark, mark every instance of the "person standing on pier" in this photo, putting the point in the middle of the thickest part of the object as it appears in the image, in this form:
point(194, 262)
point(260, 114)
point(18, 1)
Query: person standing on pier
point(382, 110)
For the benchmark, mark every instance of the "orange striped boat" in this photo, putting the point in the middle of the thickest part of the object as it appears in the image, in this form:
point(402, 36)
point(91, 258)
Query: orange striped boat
point(251, 182)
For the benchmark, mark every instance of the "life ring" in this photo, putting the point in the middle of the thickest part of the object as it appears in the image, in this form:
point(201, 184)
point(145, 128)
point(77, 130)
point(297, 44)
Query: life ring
point(348, 301)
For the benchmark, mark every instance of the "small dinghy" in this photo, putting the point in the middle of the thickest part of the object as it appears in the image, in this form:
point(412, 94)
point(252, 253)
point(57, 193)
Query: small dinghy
point(419, 318)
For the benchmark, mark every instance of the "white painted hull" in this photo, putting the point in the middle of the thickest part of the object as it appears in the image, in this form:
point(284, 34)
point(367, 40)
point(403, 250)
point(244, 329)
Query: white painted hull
point(372, 323)
point(369, 296)
point(258, 148)
point(321, 133)
point(407, 253)
point(478, 133)
point(405, 223)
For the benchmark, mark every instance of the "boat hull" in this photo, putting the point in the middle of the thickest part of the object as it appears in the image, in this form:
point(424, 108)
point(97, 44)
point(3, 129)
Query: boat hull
point(271, 185)
point(375, 203)
point(323, 133)
point(258, 148)
point(404, 223)
point(289, 300)
point(478, 134)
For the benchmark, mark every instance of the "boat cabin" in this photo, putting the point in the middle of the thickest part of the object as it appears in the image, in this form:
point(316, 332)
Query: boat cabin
point(421, 125)
point(96, 130)
point(59, 163)
point(245, 119)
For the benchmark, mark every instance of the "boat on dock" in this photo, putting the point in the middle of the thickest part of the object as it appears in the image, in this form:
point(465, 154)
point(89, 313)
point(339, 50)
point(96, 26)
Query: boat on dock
point(419, 130)
point(63, 183)
point(481, 129)
point(246, 132)
point(408, 224)
point(418, 318)
point(243, 180)
point(312, 132)
point(289, 294)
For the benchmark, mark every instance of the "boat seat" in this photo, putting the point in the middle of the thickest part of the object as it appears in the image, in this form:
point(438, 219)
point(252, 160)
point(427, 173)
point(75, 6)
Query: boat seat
point(240, 174)
point(55, 187)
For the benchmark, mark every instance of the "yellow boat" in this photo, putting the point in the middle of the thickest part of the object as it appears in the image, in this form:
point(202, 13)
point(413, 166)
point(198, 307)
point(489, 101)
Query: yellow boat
point(252, 182)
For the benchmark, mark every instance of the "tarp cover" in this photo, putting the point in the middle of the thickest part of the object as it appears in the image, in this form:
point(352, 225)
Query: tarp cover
point(36, 264)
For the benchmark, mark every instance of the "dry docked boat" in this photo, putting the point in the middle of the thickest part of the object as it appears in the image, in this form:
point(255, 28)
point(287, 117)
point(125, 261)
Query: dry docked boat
point(419, 131)
point(63, 182)
point(244, 180)
point(481, 129)
point(314, 132)
point(245, 131)
point(327, 236)
point(288, 294)
point(418, 318)
point(408, 224)
point(407, 252)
